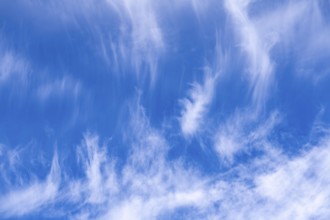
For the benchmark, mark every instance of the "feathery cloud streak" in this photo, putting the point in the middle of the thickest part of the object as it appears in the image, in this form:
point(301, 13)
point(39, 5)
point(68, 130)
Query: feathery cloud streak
point(141, 40)
point(196, 106)
point(260, 65)
point(34, 197)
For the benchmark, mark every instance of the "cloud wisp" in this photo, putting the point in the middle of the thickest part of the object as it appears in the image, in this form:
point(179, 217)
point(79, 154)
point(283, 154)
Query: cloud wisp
point(260, 64)
point(34, 197)
point(12, 67)
point(140, 42)
point(302, 25)
point(241, 134)
point(59, 88)
point(195, 107)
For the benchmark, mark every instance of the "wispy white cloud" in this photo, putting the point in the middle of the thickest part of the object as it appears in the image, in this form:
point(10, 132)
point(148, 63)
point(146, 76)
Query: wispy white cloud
point(257, 50)
point(130, 36)
point(195, 107)
point(100, 176)
point(148, 186)
point(65, 86)
point(32, 198)
point(141, 40)
point(298, 30)
point(301, 29)
point(12, 67)
point(240, 133)
point(298, 188)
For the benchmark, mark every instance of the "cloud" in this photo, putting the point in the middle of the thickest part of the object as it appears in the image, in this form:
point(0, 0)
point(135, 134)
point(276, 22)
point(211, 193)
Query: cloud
point(257, 50)
point(145, 187)
point(65, 86)
point(32, 198)
point(301, 30)
point(140, 42)
point(148, 186)
point(286, 192)
point(100, 175)
point(241, 133)
point(145, 181)
point(127, 34)
point(295, 32)
point(12, 67)
point(298, 188)
point(195, 107)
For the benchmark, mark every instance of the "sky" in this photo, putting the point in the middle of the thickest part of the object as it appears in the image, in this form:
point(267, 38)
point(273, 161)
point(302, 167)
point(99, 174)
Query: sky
point(177, 109)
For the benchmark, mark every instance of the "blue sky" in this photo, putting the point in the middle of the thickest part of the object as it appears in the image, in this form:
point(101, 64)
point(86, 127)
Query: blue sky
point(151, 109)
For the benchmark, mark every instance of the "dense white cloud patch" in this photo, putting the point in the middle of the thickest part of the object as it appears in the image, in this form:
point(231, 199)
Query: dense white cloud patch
point(298, 188)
